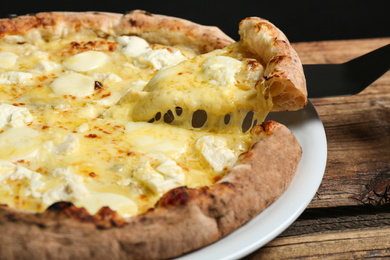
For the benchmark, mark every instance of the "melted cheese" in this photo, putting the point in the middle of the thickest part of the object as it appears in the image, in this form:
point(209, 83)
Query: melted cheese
point(7, 59)
point(85, 61)
point(221, 83)
point(67, 130)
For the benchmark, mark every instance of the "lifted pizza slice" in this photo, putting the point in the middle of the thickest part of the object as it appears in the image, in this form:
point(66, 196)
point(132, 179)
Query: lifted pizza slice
point(230, 88)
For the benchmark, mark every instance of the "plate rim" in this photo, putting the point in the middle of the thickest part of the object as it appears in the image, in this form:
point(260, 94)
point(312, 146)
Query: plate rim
point(308, 175)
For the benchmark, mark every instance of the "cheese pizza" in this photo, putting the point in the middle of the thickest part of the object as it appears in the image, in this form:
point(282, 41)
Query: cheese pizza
point(139, 136)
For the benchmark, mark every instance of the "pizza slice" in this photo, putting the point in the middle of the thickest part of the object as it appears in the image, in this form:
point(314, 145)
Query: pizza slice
point(85, 167)
point(219, 89)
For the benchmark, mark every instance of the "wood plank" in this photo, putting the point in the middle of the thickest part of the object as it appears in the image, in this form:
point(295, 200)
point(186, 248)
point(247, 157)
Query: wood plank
point(336, 51)
point(352, 244)
point(357, 129)
point(336, 233)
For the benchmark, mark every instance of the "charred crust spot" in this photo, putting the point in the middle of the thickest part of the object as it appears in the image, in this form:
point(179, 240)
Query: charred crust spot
point(277, 59)
point(257, 27)
point(264, 129)
point(107, 218)
point(182, 196)
point(269, 126)
point(104, 218)
point(45, 21)
point(133, 22)
point(252, 64)
point(177, 196)
point(77, 47)
point(59, 206)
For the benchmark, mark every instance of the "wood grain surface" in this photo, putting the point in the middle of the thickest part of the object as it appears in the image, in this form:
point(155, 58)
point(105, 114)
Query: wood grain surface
point(349, 218)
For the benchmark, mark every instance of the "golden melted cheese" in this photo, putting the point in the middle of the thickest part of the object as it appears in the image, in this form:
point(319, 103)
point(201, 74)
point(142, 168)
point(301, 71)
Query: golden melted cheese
point(222, 82)
point(69, 126)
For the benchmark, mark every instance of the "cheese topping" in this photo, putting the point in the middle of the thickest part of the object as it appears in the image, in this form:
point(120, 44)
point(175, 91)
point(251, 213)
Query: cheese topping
point(73, 84)
point(159, 59)
point(218, 84)
point(74, 112)
point(85, 61)
point(215, 151)
point(7, 59)
point(219, 71)
point(14, 116)
point(133, 46)
point(15, 77)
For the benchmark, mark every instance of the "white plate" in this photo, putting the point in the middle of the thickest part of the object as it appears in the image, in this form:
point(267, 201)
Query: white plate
point(308, 128)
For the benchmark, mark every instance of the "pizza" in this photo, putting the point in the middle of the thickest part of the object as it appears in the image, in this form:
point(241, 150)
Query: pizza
point(139, 136)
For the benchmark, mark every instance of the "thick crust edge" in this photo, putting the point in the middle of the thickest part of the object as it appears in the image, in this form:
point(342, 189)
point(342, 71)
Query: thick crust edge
point(183, 220)
point(153, 27)
point(283, 75)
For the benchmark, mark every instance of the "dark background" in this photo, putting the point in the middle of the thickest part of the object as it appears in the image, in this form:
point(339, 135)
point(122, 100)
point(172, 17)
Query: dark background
point(300, 20)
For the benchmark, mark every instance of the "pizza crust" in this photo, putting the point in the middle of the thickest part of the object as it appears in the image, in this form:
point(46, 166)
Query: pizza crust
point(152, 27)
point(183, 220)
point(283, 74)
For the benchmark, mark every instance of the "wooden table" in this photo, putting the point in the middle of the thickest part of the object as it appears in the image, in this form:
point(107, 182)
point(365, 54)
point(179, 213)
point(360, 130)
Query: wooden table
point(349, 217)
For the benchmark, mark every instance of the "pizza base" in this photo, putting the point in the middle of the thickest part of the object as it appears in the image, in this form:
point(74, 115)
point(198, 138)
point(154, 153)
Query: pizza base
point(183, 220)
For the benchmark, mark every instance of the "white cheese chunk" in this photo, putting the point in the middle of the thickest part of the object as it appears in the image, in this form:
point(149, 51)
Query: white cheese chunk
point(107, 77)
point(138, 85)
point(30, 179)
point(19, 143)
point(159, 59)
point(14, 116)
point(133, 46)
point(72, 188)
point(219, 71)
point(47, 66)
point(160, 180)
point(170, 169)
point(69, 145)
point(15, 77)
point(216, 153)
point(86, 61)
point(83, 128)
point(73, 84)
point(7, 59)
